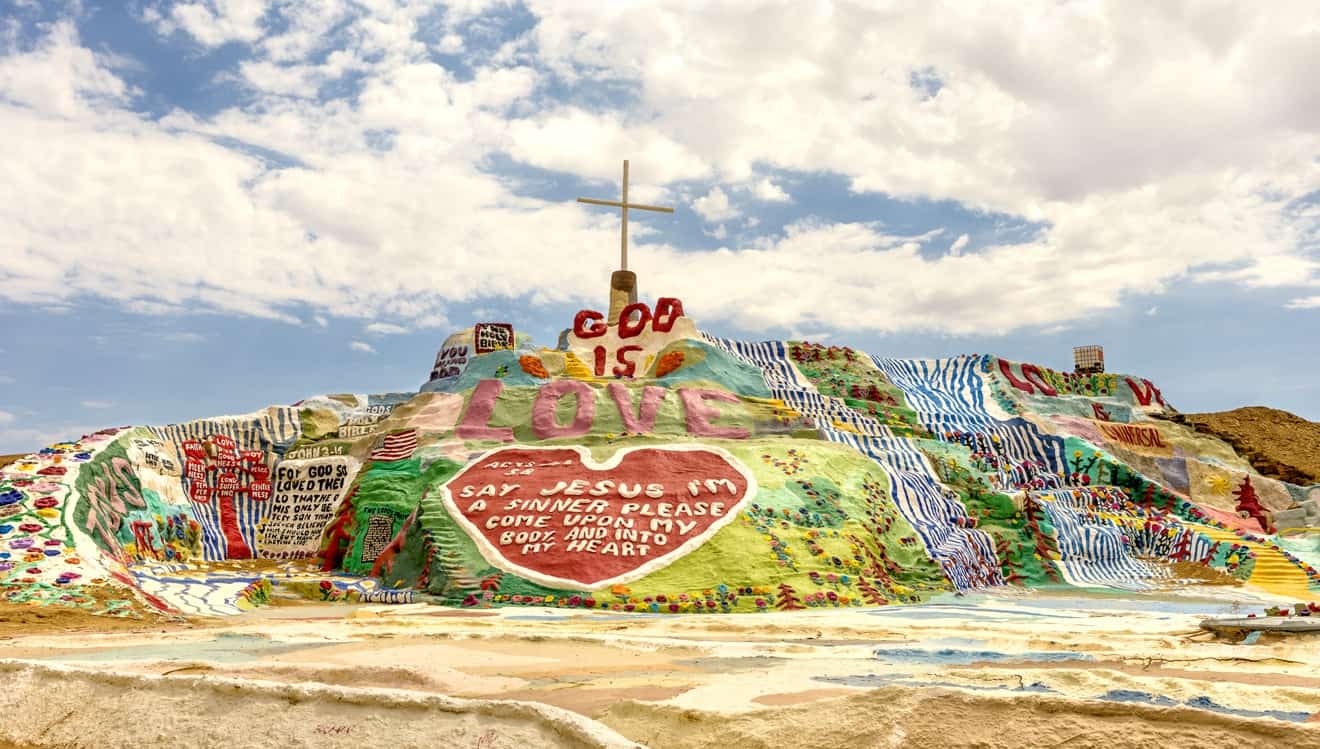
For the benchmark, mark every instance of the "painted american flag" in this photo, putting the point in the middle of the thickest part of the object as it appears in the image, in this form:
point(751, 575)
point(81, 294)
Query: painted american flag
point(396, 446)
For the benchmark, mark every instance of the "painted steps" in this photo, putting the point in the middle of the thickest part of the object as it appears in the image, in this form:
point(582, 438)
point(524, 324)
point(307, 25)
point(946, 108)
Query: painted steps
point(1273, 573)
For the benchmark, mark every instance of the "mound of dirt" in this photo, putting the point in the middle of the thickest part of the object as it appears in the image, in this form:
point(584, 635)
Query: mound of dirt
point(1279, 444)
point(7, 459)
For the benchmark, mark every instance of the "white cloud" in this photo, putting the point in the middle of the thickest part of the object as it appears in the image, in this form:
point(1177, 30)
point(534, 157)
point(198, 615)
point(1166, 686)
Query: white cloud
point(365, 348)
point(1310, 302)
point(97, 404)
point(1153, 311)
point(7, 379)
point(183, 336)
point(1149, 144)
point(213, 22)
point(769, 191)
point(6, 417)
point(714, 206)
point(450, 44)
point(61, 78)
point(956, 248)
point(385, 328)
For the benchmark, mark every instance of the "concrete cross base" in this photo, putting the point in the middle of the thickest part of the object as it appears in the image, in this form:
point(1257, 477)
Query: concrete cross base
point(623, 292)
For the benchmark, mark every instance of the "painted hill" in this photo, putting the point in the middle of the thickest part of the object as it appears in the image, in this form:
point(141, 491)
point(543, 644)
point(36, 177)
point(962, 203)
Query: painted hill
point(645, 466)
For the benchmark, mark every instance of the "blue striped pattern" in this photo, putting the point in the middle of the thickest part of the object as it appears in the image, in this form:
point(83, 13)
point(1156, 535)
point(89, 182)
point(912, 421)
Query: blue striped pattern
point(215, 596)
point(1156, 540)
point(770, 356)
point(940, 387)
point(1092, 550)
point(272, 430)
point(1103, 538)
point(950, 395)
point(966, 555)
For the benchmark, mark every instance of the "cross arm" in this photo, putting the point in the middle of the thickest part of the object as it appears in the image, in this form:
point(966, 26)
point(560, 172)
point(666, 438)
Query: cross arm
point(617, 204)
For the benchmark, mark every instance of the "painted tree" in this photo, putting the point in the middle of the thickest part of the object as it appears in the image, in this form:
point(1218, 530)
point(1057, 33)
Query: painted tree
point(788, 600)
point(1182, 547)
point(1249, 505)
point(1047, 548)
point(1004, 550)
point(872, 594)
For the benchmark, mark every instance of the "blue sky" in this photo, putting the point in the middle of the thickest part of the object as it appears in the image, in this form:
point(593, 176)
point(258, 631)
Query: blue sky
point(215, 206)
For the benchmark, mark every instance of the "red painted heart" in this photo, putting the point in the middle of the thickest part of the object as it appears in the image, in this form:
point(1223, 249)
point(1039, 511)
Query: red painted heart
point(555, 516)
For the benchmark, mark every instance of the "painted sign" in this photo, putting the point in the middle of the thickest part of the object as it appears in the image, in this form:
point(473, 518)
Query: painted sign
point(306, 494)
point(492, 336)
point(1139, 437)
point(620, 350)
point(555, 516)
point(450, 361)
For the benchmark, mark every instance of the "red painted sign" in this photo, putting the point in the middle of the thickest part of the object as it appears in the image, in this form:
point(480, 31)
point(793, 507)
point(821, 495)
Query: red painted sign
point(555, 516)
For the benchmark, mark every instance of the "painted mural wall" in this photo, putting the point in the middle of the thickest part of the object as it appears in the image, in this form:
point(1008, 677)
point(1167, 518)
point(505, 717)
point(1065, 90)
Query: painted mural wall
point(645, 466)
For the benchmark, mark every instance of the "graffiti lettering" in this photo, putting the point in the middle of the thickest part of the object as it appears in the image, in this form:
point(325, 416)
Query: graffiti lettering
point(700, 421)
point(1144, 395)
point(1133, 435)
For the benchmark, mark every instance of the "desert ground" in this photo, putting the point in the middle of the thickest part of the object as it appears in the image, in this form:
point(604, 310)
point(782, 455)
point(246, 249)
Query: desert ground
point(1006, 669)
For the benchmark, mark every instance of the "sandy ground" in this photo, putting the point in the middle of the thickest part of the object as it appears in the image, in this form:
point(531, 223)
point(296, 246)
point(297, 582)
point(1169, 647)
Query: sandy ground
point(1004, 670)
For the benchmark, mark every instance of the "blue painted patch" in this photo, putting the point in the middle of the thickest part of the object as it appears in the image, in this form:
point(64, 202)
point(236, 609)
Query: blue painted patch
point(224, 648)
point(880, 680)
point(1131, 695)
point(1201, 703)
point(952, 656)
point(1205, 703)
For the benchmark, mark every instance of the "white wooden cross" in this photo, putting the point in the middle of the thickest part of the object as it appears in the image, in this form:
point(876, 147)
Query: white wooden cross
point(625, 205)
